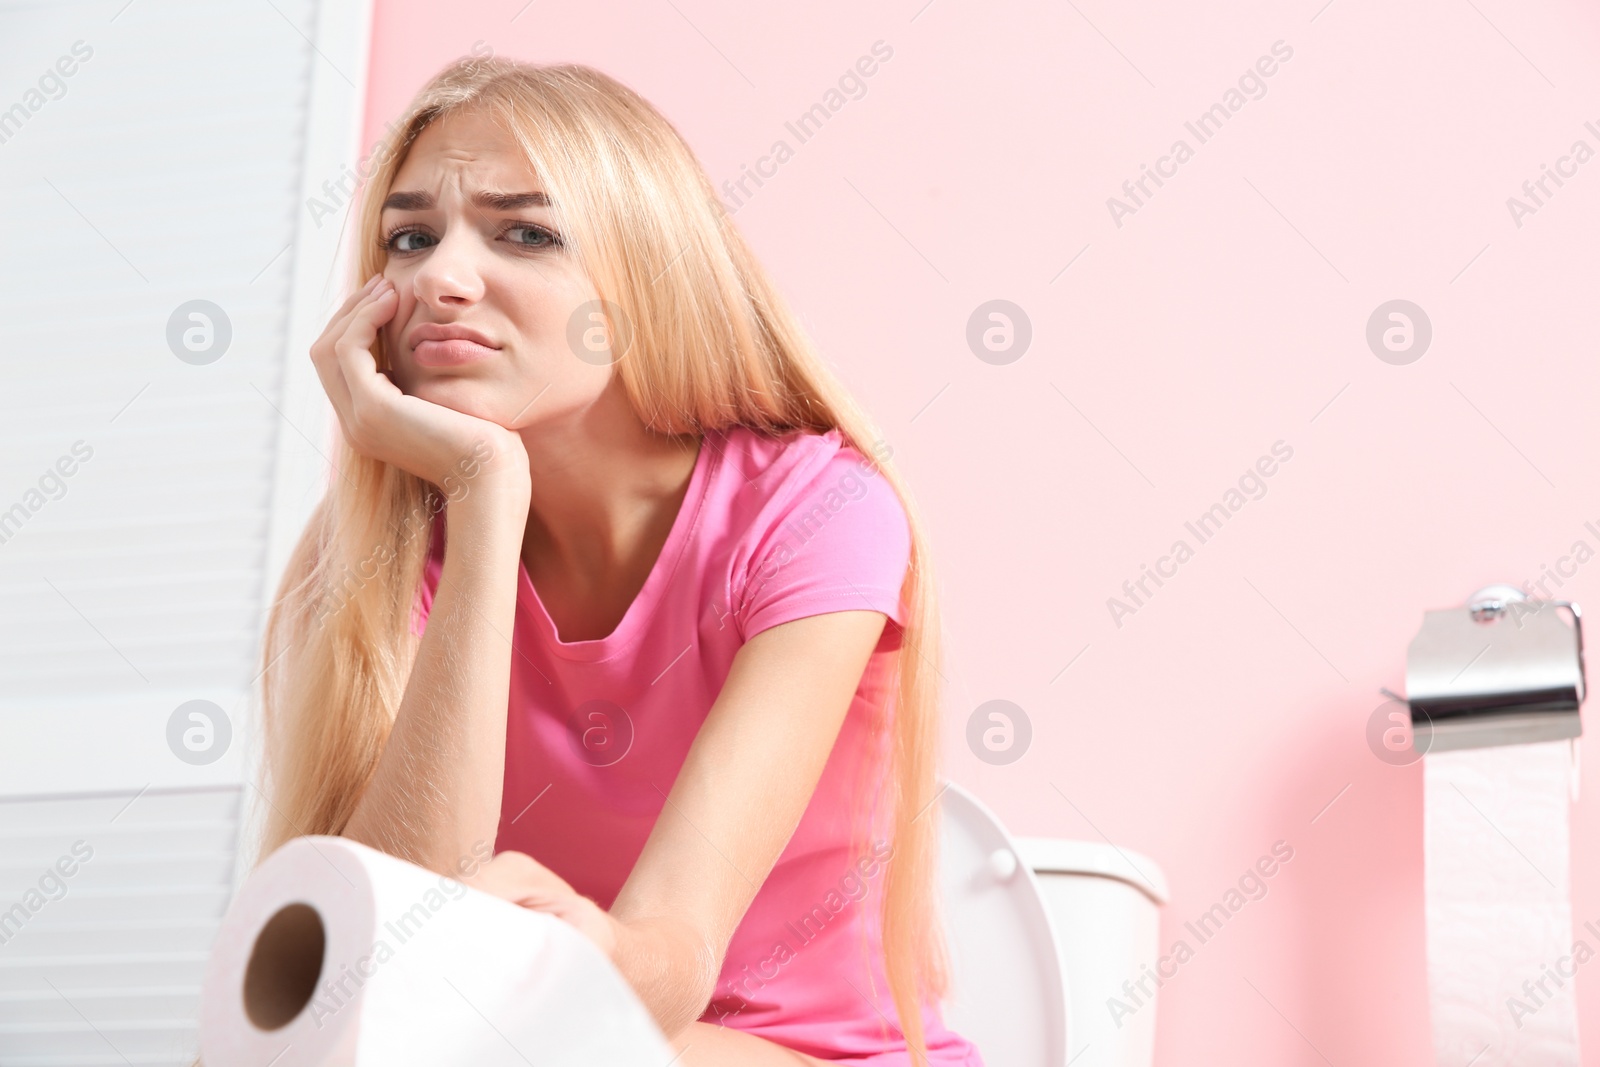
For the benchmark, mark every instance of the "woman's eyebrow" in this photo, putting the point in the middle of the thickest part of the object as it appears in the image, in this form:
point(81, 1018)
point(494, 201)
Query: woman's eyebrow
point(424, 201)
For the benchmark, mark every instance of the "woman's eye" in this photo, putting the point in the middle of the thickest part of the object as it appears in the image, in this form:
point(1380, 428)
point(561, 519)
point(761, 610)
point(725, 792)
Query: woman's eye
point(403, 242)
point(531, 236)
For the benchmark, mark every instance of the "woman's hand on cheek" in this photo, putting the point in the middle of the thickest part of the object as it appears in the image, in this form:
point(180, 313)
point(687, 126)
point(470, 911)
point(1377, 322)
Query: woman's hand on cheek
point(521, 879)
point(431, 441)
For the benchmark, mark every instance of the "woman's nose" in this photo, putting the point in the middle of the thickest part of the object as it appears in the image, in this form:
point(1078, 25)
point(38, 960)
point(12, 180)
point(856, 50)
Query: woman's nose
point(451, 274)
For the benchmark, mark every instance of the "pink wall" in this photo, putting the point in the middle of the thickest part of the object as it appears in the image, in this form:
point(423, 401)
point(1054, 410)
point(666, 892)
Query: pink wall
point(1227, 313)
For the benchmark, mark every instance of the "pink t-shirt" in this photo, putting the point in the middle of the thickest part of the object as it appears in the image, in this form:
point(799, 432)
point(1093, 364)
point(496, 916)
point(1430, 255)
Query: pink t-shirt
point(771, 529)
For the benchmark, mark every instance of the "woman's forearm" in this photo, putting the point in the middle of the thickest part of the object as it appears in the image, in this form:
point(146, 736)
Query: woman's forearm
point(436, 790)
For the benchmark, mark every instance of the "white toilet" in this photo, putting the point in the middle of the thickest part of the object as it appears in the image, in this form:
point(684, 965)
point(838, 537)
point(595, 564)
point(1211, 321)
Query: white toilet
point(1042, 933)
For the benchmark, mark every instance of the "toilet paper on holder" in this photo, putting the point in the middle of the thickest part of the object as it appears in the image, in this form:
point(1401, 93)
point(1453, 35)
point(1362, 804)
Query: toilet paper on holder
point(1494, 688)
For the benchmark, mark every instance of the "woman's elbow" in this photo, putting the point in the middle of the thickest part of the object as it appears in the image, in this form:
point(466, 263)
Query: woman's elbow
point(695, 984)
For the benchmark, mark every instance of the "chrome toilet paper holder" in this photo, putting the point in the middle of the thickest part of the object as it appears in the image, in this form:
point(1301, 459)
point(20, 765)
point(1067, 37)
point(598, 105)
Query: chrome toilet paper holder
point(1499, 670)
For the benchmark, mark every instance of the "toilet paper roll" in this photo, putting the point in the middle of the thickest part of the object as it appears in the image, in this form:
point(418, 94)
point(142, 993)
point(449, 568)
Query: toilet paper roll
point(1500, 942)
point(333, 953)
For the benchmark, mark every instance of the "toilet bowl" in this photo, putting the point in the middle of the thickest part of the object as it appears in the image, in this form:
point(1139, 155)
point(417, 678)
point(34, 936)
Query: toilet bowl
point(1043, 932)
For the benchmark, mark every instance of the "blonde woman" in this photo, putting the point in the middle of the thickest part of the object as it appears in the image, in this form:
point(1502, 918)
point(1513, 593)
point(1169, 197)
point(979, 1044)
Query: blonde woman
point(615, 584)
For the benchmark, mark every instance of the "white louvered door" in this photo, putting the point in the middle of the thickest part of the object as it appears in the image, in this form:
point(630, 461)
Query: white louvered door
point(152, 154)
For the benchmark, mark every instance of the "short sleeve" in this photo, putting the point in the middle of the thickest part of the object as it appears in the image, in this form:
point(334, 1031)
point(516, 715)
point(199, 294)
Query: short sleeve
point(842, 544)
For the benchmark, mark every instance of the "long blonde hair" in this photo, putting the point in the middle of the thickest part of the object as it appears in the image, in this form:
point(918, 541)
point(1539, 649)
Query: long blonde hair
point(713, 345)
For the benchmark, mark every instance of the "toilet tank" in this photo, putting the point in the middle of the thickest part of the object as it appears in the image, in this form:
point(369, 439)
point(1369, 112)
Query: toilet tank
point(1104, 904)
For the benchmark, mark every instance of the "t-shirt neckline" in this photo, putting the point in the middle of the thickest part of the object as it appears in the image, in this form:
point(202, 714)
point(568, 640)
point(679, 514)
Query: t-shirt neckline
point(655, 584)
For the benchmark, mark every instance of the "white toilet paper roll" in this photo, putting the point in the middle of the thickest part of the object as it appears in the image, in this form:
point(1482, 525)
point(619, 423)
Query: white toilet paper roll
point(333, 953)
point(1500, 942)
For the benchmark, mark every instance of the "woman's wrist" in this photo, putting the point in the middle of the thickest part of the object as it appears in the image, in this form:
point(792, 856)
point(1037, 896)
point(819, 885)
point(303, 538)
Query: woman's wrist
point(496, 503)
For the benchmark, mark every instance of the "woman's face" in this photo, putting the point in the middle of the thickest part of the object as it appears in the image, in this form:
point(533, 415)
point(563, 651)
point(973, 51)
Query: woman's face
point(470, 246)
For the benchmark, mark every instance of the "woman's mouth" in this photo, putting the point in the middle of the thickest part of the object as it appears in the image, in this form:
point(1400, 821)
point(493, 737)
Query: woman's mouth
point(453, 352)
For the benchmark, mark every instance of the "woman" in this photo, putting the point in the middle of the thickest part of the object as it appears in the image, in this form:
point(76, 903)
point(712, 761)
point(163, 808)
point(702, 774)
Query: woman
point(607, 584)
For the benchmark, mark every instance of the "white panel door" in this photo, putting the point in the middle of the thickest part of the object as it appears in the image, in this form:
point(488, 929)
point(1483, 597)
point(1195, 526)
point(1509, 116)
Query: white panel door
point(162, 437)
